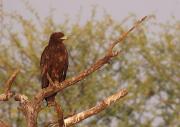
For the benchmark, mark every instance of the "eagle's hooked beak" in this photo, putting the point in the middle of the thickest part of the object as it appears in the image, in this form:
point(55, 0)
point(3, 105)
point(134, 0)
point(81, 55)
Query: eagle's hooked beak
point(64, 38)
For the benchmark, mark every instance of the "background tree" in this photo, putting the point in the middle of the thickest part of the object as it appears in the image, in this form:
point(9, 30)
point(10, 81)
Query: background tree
point(148, 66)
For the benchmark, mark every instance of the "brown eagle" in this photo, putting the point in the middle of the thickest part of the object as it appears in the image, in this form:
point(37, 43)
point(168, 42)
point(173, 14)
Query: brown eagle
point(54, 62)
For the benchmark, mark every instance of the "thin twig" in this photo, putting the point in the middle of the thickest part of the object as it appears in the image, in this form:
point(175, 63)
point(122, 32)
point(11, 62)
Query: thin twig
point(9, 82)
point(7, 87)
point(124, 35)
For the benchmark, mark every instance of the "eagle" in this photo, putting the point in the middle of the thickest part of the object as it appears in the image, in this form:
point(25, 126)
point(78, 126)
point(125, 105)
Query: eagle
point(54, 63)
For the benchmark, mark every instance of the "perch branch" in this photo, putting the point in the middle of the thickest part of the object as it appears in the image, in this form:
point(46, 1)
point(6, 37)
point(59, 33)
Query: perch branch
point(98, 64)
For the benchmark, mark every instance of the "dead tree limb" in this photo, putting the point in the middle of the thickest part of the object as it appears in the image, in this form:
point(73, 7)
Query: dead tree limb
point(59, 114)
point(9, 82)
point(7, 87)
point(96, 109)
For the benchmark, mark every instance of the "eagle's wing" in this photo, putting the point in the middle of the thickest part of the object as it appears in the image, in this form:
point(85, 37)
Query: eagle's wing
point(65, 66)
point(44, 63)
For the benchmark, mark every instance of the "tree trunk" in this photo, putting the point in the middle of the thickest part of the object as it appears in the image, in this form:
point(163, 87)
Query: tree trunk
point(31, 119)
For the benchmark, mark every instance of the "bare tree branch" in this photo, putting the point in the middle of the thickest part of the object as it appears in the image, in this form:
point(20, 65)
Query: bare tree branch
point(96, 109)
point(124, 35)
point(6, 96)
point(8, 93)
point(20, 97)
point(9, 82)
point(7, 87)
point(59, 114)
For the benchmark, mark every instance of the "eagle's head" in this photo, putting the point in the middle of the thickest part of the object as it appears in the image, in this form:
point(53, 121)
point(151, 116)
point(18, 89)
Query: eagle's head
point(57, 37)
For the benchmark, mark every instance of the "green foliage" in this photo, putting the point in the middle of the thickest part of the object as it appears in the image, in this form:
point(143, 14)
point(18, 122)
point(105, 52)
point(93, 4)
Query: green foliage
point(148, 67)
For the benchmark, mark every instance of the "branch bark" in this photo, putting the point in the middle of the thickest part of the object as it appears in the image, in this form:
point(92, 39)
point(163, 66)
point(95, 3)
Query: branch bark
point(96, 109)
point(9, 82)
point(7, 87)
